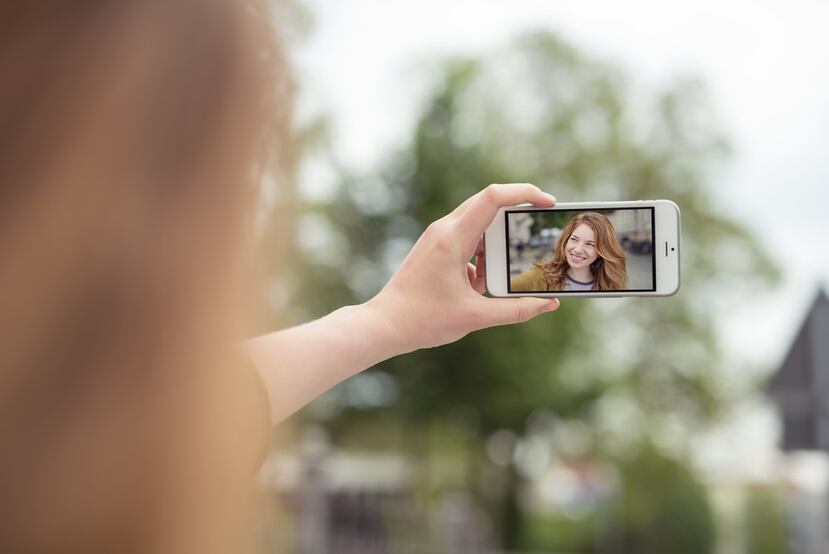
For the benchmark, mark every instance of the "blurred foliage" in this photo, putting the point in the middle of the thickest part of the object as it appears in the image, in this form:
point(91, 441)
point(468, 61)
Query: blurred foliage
point(662, 508)
point(623, 380)
point(557, 534)
point(766, 522)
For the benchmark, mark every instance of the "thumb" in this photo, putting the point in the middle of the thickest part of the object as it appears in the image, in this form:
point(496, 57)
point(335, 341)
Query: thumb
point(504, 311)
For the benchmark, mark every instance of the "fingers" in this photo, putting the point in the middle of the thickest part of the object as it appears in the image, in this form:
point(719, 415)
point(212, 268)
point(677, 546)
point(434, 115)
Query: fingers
point(503, 311)
point(476, 280)
point(480, 265)
point(476, 272)
point(480, 252)
point(479, 211)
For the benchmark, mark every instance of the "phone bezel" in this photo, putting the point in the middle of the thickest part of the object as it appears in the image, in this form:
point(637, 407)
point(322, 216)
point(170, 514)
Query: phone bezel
point(666, 233)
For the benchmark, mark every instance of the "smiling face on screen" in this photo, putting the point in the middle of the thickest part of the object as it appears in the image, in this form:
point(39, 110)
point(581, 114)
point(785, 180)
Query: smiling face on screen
point(580, 249)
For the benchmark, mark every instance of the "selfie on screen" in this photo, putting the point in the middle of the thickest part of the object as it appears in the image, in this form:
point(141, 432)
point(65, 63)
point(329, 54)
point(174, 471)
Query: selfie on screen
point(581, 251)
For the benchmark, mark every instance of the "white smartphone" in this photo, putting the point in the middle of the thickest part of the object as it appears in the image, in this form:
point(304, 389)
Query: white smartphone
point(584, 249)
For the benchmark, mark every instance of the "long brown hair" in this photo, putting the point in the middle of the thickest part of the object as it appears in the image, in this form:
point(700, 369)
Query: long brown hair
point(609, 269)
point(130, 138)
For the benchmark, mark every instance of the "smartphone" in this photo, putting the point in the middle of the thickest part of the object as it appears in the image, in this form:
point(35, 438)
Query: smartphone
point(584, 249)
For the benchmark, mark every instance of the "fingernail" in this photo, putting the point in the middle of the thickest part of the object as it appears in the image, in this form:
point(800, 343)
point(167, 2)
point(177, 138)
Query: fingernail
point(550, 196)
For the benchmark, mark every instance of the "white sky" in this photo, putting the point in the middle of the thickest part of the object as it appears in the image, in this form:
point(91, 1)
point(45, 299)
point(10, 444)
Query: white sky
point(766, 64)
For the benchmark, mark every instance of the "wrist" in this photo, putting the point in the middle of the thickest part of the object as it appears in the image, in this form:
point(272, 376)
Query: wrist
point(390, 336)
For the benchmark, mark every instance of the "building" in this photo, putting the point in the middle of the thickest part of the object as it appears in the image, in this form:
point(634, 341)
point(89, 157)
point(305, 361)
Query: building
point(800, 388)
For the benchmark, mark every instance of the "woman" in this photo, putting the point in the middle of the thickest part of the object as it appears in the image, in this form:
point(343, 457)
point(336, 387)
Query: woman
point(130, 421)
point(588, 257)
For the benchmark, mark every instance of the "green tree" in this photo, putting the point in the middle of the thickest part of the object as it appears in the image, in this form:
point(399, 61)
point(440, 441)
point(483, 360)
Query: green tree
point(637, 374)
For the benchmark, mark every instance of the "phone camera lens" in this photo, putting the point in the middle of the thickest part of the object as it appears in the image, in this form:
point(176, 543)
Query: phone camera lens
point(672, 249)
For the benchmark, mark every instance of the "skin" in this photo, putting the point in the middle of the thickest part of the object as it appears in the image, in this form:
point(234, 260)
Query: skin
point(580, 252)
point(434, 298)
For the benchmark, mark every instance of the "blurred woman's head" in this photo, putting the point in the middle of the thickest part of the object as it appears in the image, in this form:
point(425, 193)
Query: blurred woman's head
point(131, 138)
point(588, 241)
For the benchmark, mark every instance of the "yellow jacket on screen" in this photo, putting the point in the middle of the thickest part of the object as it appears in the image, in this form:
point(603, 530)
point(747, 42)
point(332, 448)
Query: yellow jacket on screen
point(531, 280)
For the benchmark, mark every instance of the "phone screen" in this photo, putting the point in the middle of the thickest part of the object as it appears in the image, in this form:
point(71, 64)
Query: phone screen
point(578, 251)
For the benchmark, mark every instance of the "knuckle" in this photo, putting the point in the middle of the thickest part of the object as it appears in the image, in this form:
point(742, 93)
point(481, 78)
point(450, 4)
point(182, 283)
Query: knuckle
point(524, 312)
point(439, 233)
point(435, 229)
point(445, 244)
point(491, 192)
point(528, 190)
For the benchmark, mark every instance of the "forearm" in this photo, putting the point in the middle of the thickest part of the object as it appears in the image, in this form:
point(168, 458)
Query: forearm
point(300, 363)
point(434, 298)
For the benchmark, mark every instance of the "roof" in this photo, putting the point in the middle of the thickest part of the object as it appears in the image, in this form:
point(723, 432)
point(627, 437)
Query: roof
point(800, 387)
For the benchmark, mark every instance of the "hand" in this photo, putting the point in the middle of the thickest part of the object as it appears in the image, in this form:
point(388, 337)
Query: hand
point(435, 297)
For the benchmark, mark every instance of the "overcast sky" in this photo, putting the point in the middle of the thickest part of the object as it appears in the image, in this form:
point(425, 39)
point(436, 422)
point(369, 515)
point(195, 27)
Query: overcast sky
point(766, 64)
